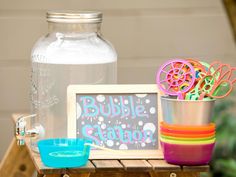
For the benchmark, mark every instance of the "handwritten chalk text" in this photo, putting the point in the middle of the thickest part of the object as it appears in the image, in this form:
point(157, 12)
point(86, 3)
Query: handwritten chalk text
point(96, 134)
point(92, 108)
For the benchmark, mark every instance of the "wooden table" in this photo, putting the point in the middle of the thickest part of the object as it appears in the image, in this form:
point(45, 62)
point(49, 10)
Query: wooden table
point(21, 161)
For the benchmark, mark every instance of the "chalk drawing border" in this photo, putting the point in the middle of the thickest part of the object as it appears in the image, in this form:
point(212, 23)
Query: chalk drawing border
point(74, 90)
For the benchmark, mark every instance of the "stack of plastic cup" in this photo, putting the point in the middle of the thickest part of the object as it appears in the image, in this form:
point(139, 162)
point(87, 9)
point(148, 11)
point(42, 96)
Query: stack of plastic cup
point(187, 135)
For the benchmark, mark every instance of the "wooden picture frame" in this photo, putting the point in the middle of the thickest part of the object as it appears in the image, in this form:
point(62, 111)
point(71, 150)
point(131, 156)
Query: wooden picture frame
point(75, 91)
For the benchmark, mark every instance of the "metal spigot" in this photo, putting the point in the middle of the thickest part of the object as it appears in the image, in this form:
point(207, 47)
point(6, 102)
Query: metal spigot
point(21, 132)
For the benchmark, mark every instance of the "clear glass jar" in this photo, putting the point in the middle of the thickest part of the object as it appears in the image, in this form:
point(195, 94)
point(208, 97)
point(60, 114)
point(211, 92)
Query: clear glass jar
point(73, 52)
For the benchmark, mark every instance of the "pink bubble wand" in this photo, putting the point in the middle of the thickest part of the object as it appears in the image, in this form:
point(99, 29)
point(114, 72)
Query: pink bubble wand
point(176, 77)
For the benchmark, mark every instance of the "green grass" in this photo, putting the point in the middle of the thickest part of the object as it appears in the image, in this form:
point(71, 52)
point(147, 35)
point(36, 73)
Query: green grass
point(223, 163)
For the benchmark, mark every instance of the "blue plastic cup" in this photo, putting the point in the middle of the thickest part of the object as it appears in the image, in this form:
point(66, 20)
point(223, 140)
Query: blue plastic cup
point(64, 152)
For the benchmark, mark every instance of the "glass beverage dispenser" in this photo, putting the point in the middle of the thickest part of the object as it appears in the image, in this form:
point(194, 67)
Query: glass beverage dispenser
point(73, 52)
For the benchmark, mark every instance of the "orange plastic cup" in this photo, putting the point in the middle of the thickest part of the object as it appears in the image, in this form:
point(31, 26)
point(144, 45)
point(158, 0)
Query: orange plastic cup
point(187, 128)
point(163, 129)
point(189, 135)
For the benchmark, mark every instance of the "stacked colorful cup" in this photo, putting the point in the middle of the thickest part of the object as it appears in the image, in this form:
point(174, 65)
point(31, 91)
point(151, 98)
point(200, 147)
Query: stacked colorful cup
point(187, 139)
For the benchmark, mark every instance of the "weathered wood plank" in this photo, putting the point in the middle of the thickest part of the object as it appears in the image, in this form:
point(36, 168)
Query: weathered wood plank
point(201, 168)
point(52, 175)
point(108, 174)
point(79, 175)
point(136, 165)
point(16, 162)
point(137, 174)
point(175, 174)
point(111, 168)
point(40, 167)
point(84, 170)
point(166, 39)
point(162, 165)
point(33, 7)
point(108, 165)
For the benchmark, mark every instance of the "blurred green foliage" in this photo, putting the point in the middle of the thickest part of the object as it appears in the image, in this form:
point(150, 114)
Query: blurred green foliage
point(223, 162)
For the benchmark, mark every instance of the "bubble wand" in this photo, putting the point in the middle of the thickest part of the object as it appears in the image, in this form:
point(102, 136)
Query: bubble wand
point(176, 77)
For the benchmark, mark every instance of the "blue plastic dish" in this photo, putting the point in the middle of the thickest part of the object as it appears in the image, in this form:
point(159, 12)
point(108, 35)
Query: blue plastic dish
point(64, 152)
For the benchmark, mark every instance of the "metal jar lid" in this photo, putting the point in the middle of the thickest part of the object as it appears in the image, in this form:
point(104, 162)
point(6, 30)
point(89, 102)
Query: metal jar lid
point(74, 16)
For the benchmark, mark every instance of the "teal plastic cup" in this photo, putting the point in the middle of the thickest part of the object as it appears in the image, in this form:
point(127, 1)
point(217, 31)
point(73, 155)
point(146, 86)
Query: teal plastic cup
point(64, 152)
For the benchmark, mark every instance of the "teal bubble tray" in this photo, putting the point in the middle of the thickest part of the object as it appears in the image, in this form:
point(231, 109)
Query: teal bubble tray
point(64, 152)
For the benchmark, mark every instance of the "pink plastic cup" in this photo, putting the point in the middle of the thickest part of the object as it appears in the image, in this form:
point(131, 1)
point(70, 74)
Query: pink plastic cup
point(187, 154)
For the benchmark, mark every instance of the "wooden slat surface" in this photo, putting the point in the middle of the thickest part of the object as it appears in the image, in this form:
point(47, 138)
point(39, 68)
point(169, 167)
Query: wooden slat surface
point(131, 166)
point(201, 168)
point(108, 165)
point(162, 165)
point(80, 175)
point(174, 174)
point(52, 175)
point(40, 167)
point(44, 169)
point(136, 165)
point(89, 168)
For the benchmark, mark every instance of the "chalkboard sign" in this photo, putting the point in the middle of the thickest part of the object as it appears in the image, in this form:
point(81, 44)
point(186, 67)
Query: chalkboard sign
point(120, 117)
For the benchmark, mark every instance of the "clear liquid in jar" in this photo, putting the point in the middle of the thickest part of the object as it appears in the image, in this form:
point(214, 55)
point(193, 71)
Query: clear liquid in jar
point(49, 84)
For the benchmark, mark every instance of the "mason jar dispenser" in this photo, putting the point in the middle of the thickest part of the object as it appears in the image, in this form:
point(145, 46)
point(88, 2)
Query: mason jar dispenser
point(73, 52)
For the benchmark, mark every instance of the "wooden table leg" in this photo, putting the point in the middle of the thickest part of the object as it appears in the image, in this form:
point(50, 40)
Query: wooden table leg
point(16, 162)
point(175, 174)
